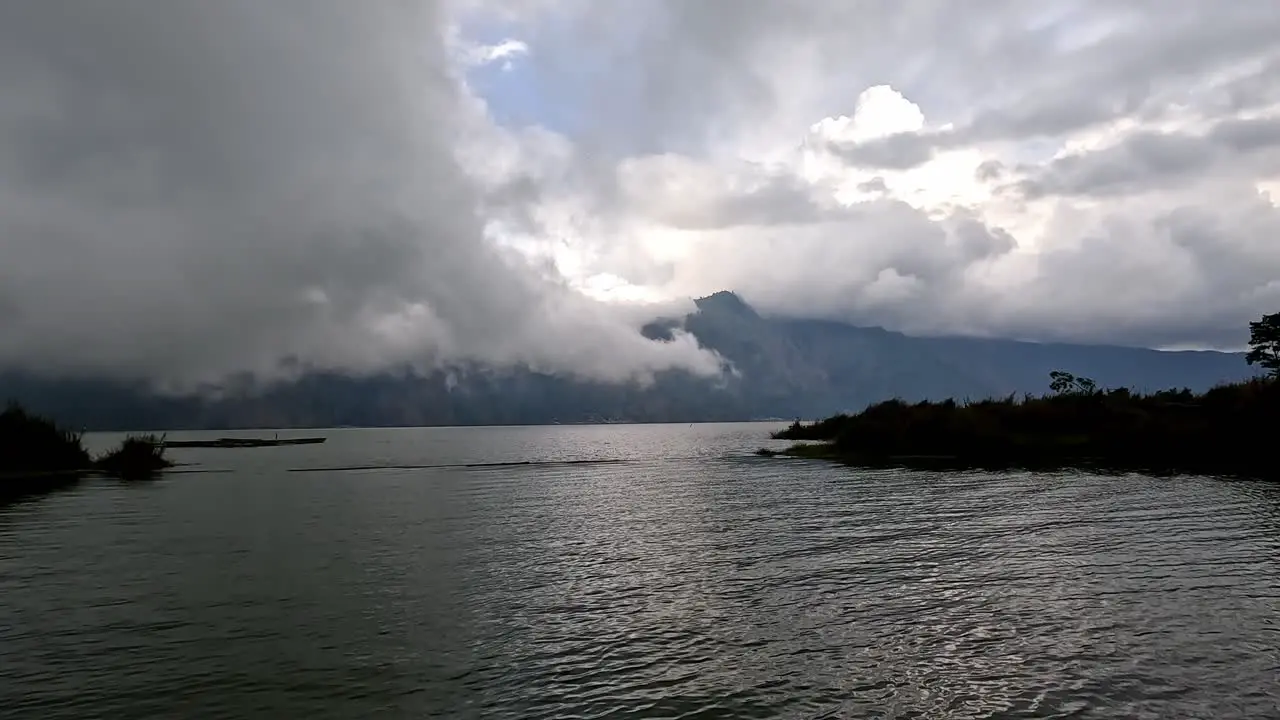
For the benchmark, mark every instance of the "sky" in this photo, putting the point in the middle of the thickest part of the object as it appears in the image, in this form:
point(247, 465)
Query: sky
point(193, 190)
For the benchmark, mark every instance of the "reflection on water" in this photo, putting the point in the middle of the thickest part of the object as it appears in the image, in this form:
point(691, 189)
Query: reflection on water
point(691, 580)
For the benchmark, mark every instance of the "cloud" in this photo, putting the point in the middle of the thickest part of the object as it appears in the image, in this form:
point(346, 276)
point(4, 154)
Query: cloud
point(682, 193)
point(1147, 161)
point(884, 132)
point(1076, 170)
point(195, 189)
point(505, 51)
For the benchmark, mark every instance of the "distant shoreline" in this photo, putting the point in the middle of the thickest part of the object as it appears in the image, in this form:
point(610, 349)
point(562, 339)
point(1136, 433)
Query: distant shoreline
point(1228, 430)
point(308, 428)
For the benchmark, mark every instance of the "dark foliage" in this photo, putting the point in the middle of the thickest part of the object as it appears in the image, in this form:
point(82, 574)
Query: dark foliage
point(1064, 383)
point(1226, 430)
point(33, 447)
point(32, 444)
point(137, 457)
point(1264, 343)
point(821, 430)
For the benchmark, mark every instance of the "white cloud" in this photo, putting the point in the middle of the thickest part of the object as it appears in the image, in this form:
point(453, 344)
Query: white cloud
point(505, 51)
point(881, 112)
point(1054, 171)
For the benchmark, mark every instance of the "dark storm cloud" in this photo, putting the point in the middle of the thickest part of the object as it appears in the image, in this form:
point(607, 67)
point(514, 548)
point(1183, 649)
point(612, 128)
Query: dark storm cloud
point(194, 188)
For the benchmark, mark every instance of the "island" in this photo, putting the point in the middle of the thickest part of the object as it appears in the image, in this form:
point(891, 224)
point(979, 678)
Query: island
point(1227, 430)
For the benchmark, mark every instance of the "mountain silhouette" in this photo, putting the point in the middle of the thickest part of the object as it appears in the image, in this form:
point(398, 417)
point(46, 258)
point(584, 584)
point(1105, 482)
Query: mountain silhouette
point(781, 368)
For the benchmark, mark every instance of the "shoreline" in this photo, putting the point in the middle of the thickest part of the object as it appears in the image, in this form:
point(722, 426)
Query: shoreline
point(827, 452)
point(1226, 431)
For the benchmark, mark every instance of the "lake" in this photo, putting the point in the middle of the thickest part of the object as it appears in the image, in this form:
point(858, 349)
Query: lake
point(681, 577)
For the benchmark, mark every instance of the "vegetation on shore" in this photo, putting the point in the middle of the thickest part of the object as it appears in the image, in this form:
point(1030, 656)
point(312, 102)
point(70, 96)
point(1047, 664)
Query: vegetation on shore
point(1227, 430)
point(36, 451)
point(32, 444)
point(138, 456)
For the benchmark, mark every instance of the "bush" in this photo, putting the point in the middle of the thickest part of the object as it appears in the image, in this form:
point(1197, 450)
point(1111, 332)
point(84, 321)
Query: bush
point(1225, 430)
point(137, 457)
point(32, 444)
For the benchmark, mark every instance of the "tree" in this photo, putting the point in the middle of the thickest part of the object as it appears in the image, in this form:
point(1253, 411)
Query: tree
point(1064, 383)
point(1264, 343)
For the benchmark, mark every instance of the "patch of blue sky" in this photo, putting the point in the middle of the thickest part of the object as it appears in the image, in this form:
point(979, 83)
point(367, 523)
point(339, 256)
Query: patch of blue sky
point(590, 90)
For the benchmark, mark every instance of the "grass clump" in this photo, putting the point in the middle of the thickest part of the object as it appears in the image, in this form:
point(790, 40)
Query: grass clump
point(137, 457)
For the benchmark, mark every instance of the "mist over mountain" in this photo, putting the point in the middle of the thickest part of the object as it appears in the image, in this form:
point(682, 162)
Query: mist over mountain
point(781, 368)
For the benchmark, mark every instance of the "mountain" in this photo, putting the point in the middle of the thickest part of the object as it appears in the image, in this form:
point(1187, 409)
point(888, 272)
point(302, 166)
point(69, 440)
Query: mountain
point(810, 368)
point(784, 368)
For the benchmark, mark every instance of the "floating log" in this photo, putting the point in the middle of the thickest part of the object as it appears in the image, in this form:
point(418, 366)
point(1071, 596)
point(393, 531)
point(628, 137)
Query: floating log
point(243, 442)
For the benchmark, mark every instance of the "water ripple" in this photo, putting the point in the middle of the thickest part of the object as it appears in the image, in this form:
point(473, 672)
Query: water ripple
point(679, 578)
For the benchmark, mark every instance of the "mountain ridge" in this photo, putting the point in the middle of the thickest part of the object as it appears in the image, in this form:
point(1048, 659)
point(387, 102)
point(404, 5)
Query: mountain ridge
point(783, 368)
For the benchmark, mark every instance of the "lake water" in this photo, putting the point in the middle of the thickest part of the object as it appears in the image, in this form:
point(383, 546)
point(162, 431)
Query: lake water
point(687, 579)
